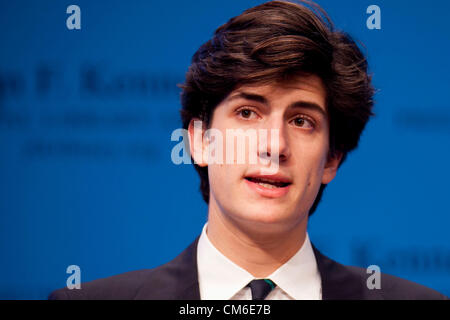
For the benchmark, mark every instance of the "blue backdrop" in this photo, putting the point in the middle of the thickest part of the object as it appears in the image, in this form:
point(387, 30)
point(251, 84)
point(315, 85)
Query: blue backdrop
point(86, 116)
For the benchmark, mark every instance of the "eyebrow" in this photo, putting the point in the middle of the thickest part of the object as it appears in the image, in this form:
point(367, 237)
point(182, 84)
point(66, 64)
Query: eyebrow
point(297, 104)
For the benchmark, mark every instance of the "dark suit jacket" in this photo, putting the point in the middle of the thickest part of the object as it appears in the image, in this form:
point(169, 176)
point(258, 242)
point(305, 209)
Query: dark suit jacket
point(177, 280)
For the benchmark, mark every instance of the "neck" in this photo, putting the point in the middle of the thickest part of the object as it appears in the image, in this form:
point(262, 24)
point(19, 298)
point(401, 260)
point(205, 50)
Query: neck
point(256, 247)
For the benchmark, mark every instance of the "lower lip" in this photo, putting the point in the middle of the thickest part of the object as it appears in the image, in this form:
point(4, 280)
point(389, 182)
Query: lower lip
point(268, 192)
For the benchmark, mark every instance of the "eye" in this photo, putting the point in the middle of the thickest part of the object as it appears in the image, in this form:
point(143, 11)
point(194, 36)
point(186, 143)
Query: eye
point(246, 113)
point(303, 122)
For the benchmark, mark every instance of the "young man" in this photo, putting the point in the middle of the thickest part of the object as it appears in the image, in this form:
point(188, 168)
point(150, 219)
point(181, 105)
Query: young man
point(279, 69)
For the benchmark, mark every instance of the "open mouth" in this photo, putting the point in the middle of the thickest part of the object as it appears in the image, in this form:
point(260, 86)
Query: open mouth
point(268, 183)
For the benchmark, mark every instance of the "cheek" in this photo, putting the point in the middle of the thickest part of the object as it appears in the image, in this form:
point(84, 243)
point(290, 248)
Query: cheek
point(220, 175)
point(214, 173)
point(310, 161)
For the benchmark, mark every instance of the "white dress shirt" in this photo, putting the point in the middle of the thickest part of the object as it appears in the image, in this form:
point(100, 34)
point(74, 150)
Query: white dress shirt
point(221, 279)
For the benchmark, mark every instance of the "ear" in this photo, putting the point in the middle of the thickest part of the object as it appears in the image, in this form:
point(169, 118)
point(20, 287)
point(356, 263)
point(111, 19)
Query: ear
point(331, 167)
point(196, 143)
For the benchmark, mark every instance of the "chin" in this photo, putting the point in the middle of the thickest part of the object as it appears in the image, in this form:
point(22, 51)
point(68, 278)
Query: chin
point(264, 214)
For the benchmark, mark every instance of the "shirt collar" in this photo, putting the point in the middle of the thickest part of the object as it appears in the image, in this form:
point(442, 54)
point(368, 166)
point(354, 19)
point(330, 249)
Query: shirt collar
point(220, 278)
point(299, 277)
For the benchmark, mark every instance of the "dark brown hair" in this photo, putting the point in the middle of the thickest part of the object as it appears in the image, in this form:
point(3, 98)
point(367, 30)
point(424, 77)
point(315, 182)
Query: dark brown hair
point(277, 41)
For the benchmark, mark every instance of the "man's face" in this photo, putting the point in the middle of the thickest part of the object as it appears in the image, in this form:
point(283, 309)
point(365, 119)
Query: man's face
point(238, 191)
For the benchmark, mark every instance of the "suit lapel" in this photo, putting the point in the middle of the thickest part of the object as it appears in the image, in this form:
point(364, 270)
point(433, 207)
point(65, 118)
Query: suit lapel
point(338, 282)
point(176, 280)
point(189, 290)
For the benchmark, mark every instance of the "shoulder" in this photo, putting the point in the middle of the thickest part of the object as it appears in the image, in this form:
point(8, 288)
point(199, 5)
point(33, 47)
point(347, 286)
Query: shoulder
point(176, 279)
point(388, 287)
point(122, 286)
point(396, 288)
point(348, 282)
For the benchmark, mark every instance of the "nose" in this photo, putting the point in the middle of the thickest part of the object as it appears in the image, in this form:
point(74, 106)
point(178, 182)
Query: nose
point(277, 141)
